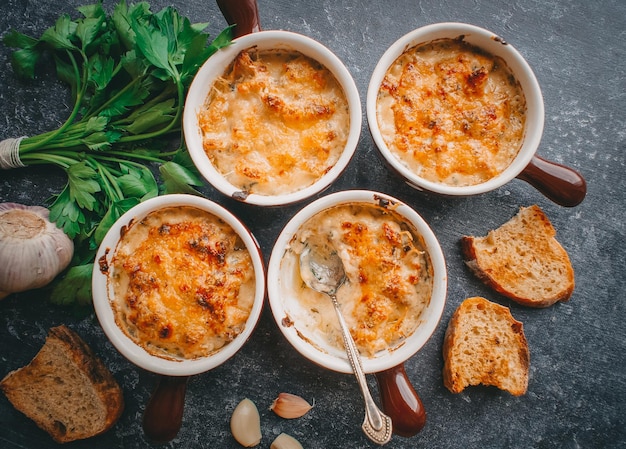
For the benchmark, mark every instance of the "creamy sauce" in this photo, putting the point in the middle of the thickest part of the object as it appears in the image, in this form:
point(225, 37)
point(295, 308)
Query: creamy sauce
point(183, 283)
point(275, 122)
point(451, 113)
point(389, 277)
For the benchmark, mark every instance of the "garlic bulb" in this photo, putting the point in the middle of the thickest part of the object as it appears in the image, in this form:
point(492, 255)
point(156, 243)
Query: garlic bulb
point(290, 406)
point(245, 424)
point(32, 249)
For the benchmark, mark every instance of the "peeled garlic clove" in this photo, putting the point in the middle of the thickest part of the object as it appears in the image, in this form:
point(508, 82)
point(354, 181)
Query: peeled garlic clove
point(290, 406)
point(245, 424)
point(33, 250)
point(284, 441)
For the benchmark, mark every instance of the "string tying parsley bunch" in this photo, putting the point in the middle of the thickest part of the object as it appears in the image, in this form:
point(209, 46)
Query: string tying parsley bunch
point(128, 73)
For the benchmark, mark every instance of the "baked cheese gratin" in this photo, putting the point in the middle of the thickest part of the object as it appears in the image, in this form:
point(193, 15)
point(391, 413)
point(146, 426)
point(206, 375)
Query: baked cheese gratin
point(275, 122)
point(183, 283)
point(389, 276)
point(452, 113)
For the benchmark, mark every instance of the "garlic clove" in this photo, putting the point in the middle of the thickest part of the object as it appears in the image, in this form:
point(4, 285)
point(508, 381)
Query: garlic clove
point(284, 441)
point(33, 250)
point(290, 406)
point(245, 424)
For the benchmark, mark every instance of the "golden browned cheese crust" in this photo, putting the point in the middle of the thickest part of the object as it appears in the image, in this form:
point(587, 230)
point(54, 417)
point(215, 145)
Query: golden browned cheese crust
point(451, 113)
point(275, 122)
point(184, 283)
point(389, 275)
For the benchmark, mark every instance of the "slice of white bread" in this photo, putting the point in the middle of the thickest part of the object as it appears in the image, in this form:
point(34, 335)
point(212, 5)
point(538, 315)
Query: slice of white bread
point(66, 389)
point(485, 345)
point(522, 260)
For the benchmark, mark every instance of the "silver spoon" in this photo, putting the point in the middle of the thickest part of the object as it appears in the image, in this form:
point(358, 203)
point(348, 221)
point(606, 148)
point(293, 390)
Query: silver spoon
point(322, 270)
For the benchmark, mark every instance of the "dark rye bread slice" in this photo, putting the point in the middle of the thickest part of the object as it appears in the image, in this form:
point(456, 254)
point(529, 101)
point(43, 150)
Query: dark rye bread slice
point(485, 345)
point(522, 260)
point(66, 389)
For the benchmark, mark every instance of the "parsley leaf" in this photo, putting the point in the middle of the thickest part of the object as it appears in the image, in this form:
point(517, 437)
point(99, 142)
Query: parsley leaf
point(74, 286)
point(178, 179)
point(83, 184)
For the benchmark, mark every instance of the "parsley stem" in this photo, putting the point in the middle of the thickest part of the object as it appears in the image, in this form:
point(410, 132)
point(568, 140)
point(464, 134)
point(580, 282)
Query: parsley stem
point(124, 158)
point(49, 158)
point(175, 121)
point(109, 183)
point(24, 146)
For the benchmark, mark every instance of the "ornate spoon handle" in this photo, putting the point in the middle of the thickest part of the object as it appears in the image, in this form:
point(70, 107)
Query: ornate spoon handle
point(377, 426)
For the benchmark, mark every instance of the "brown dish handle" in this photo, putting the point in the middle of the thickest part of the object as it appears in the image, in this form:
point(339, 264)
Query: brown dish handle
point(561, 184)
point(244, 14)
point(400, 401)
point(163, 415)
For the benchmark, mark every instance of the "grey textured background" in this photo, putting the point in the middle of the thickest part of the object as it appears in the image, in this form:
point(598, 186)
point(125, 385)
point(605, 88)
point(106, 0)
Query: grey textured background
point(577, 387)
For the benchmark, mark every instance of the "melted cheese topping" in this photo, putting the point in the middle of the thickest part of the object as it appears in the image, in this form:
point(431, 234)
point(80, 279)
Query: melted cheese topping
point(389, 276)
point(183, 283)
point(275, 122)
point(451, 113)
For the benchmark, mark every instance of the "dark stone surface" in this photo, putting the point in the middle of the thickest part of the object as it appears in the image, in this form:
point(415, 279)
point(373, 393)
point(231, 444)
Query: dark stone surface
point(577, 392)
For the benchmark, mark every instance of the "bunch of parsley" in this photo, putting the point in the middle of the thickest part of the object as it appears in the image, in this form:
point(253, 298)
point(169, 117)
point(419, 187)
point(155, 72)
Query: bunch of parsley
point(128, 73)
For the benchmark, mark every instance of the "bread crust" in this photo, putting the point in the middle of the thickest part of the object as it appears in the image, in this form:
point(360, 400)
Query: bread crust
point(498, 265)
point(24, 385)
point(489, 348)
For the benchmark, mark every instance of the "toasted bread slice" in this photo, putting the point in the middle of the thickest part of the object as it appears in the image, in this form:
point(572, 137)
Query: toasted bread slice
point(522, 260)
point(485, 345)
point(66, 389)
